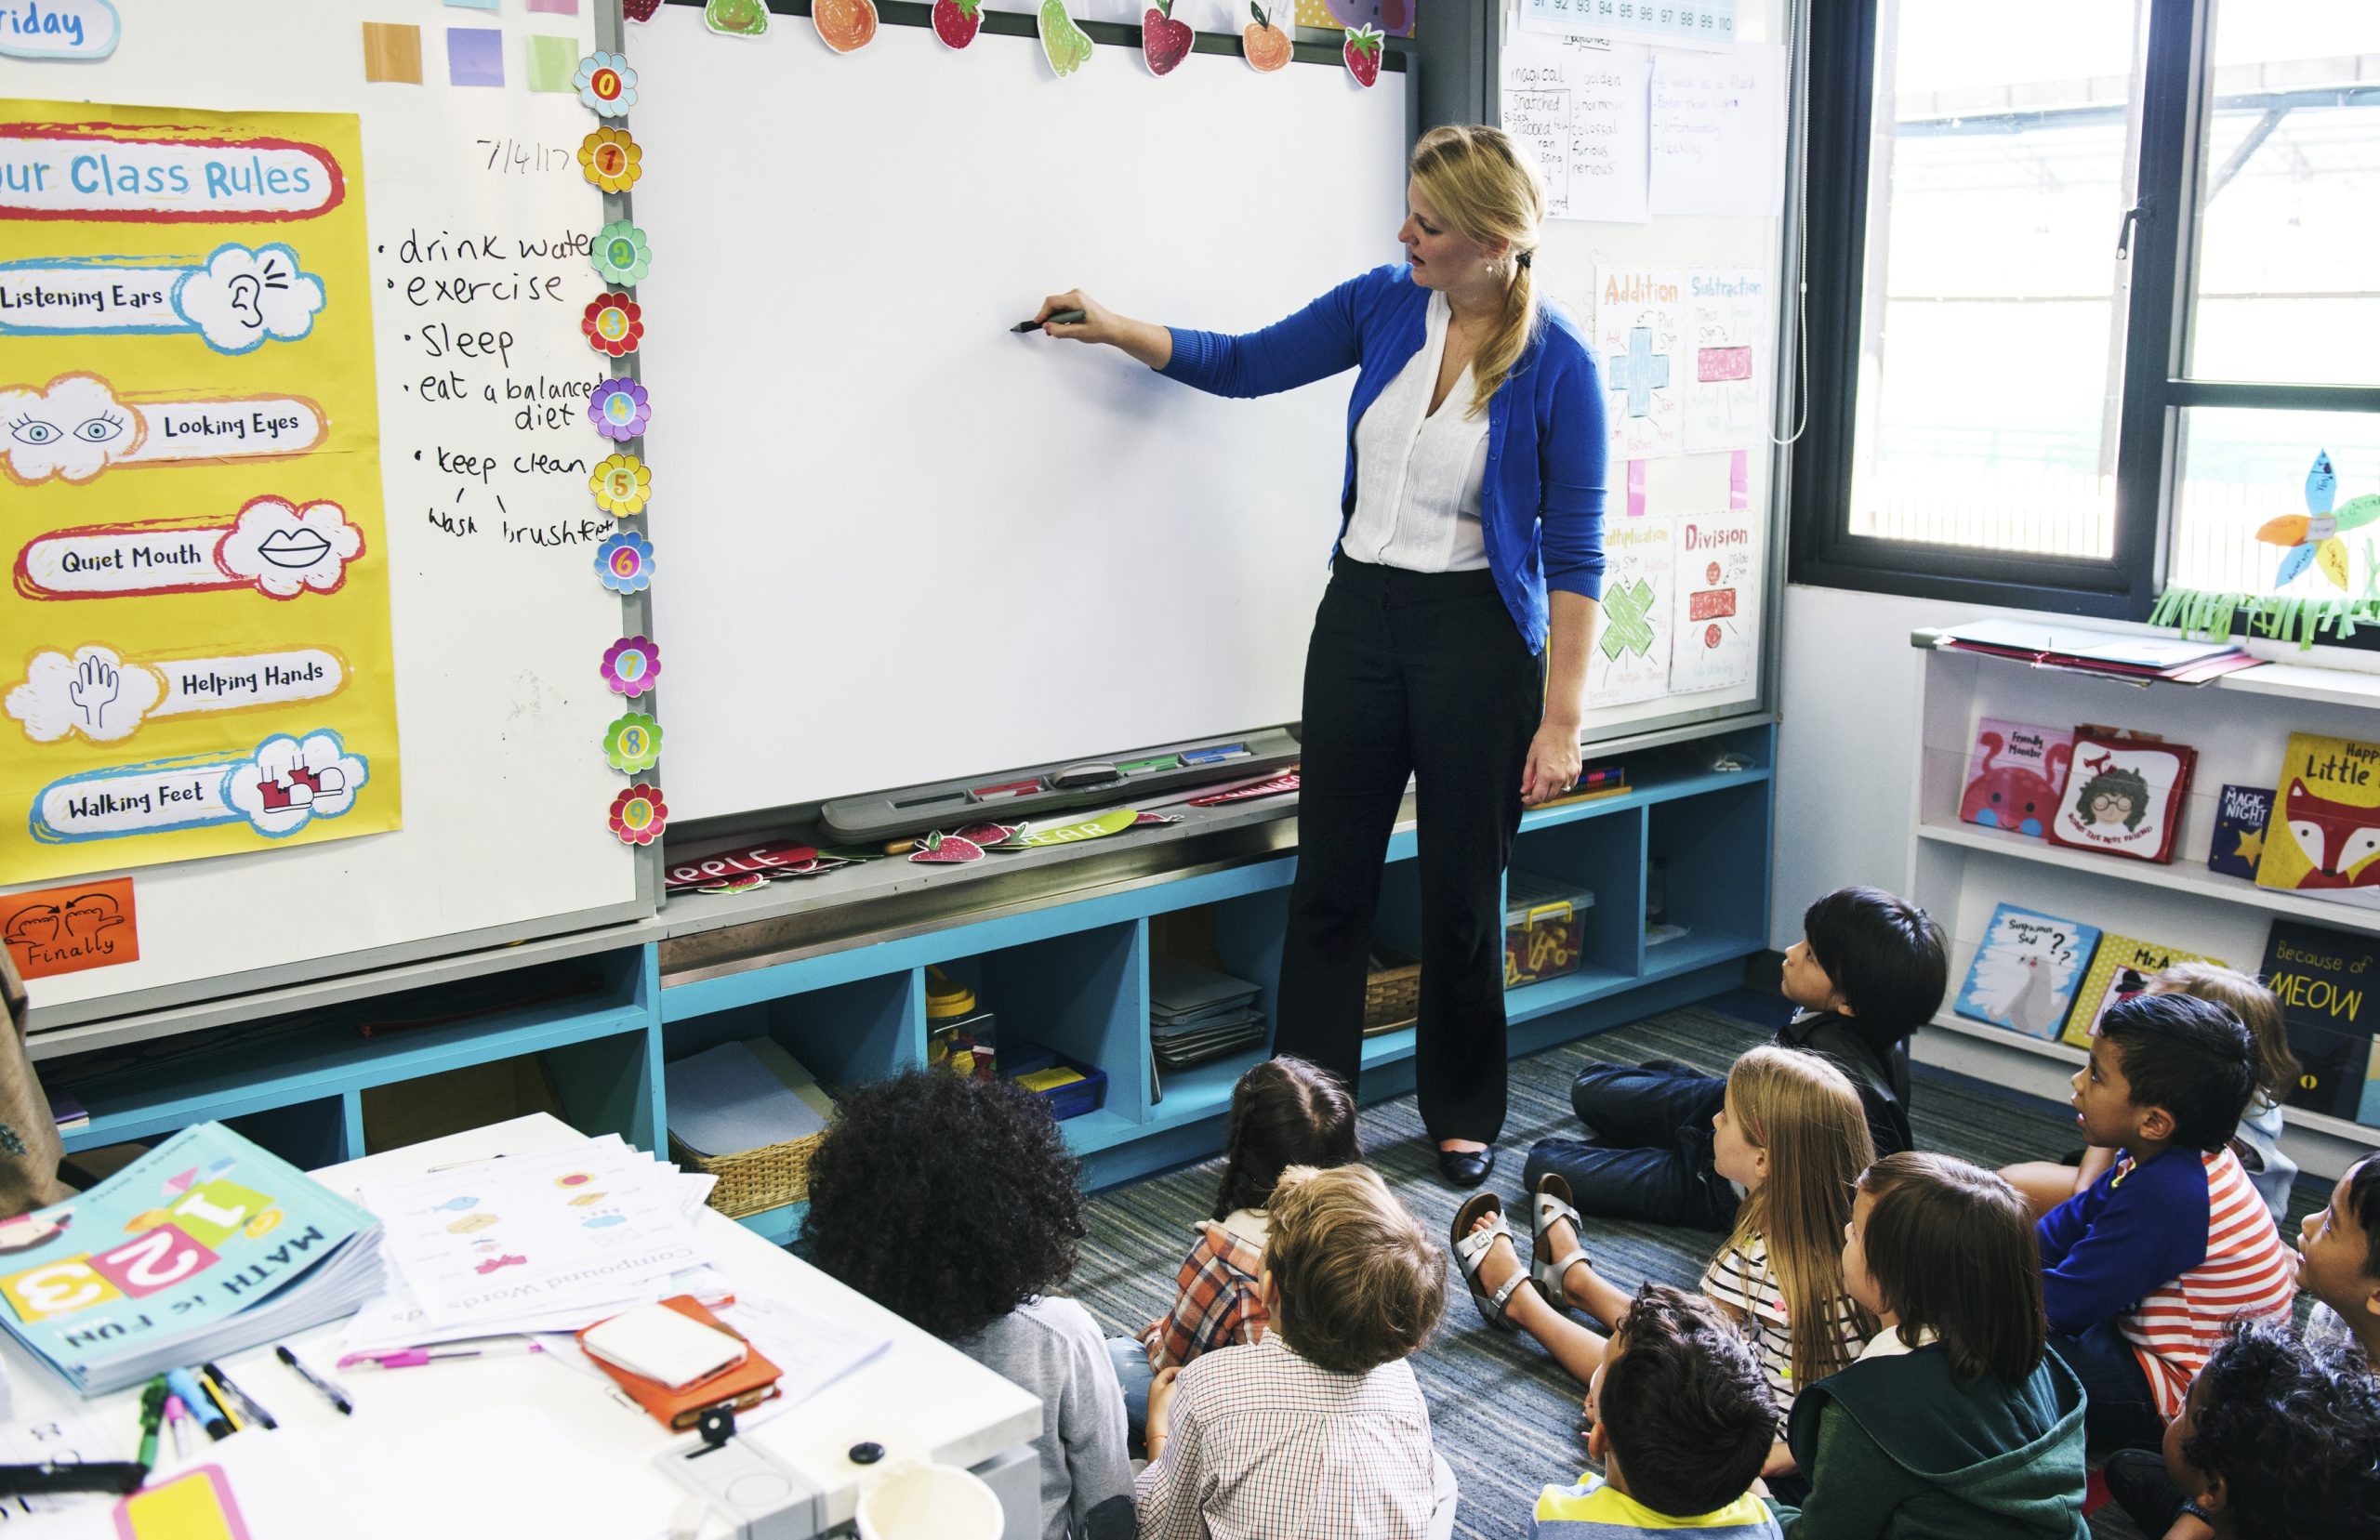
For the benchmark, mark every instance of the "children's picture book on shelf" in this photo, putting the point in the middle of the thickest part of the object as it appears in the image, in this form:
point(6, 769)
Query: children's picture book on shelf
point(2123, 795)
point(2324, 980)
point(2015, 776)
point(2324, 839)
point(2122, 967)
point(2241, 814)
point(2025, 973)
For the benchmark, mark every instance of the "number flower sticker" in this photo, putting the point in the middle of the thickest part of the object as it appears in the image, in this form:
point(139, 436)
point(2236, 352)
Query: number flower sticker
point(633, 743)
point(610, 159)
point(638, 815)
point(625, 563)
point(621, 485)
point(614, 324)
point(619, 409)
point(621, 253)
point(631, 665)
point(607, 82)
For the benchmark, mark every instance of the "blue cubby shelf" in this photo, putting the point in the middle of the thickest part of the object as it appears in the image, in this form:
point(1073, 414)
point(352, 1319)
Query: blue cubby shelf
point(1071, 973)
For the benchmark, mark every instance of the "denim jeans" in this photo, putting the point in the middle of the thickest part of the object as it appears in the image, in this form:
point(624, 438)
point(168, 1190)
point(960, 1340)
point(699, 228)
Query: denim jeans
point(1648, 1153)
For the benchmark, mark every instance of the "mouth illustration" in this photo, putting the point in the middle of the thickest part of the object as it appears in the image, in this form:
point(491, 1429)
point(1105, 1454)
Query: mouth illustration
point(292, 549)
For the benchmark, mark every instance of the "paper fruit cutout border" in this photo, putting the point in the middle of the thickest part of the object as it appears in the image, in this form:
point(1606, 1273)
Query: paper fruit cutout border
point(640, 10)
point(614, 324)
point(737, 18)
point(632, 665)
point(621, 255)
point(1165, 42)
point(610, 159)
point(958, 22)
point(625, 563)
point(1362, 53)
point(639, 814)
point(1265, 45)
point(845, 25)
point(941, 850)
point(622, 485)
point(607, 82)
point(2313, 537)
point(633, 743)
point(619, 409)
point(1065, 46)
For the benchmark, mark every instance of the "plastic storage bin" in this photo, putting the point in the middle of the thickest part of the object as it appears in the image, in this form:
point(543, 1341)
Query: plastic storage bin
point(1044, 1072)
point(1544, 927)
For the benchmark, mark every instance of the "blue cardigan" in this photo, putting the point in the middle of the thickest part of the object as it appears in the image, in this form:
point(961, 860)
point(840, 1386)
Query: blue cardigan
point(1540, 504)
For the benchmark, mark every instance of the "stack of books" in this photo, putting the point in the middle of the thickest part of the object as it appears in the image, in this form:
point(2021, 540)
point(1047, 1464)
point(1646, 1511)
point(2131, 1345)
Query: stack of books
point(2111, 654)
point(1196, 1014)
point(204, 1247)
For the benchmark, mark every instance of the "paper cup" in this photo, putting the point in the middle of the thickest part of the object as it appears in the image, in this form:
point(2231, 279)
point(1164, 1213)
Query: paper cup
point(930, 1502)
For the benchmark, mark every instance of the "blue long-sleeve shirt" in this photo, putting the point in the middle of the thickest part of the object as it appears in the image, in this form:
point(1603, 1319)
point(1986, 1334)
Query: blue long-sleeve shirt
point(1541, 503)
point(2113, 1244)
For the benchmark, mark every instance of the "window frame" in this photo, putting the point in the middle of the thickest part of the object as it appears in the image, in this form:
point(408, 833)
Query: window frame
point(2176, 95)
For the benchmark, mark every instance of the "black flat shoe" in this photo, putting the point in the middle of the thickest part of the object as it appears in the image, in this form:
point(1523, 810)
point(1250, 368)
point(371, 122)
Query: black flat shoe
point(1466, 1167)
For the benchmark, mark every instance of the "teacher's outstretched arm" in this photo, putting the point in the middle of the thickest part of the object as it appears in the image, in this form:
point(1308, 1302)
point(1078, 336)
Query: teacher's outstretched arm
point(1316, 343)
point(1144, 340)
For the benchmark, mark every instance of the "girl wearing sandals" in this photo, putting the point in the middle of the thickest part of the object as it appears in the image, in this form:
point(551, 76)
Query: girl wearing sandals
point(1793, 1135)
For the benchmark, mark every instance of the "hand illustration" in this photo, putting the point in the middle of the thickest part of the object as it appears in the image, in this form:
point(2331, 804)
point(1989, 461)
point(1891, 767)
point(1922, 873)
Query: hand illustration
point(96, 685)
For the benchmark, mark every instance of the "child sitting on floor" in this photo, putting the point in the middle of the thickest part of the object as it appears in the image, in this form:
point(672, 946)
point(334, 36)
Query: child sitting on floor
point(1318, 1428)
point(2142, 1271)
point(2338, 1262)
point(954, 1204)
point(2280, 1440)
point(2046, 1184)
point(1955, 1422)
point(1681, 1422)
point(1869, 971)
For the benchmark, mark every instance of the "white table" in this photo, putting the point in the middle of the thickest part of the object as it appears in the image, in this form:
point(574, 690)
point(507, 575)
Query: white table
point(921, 1399)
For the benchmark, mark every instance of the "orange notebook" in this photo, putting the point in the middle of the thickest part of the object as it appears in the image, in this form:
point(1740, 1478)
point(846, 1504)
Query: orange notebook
point(746, 1384)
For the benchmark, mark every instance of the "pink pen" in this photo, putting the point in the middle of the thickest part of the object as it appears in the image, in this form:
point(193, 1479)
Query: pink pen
point(176, 1413)
point(414, 1358)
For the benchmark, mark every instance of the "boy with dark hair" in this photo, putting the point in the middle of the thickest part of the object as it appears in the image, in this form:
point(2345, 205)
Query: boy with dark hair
point(1319, 1428)
point(1681, 1422)
point(1870, 970)
point(2278, 1439)
point(2142, 1271)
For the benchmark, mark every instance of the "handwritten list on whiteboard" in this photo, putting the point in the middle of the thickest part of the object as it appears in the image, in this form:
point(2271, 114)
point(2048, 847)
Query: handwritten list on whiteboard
point(1581, 106)
point(1717, 132)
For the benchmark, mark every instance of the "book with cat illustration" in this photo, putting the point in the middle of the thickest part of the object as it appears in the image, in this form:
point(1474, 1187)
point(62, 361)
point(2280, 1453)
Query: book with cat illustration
point(2323, 838)
point(2025, 973)
point(2122, 967)
point(2125, 795)
point(2324, 980)
point(2015, 776)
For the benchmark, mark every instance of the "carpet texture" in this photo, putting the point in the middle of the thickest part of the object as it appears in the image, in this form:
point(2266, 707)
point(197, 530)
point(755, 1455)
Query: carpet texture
point(1503, 1414)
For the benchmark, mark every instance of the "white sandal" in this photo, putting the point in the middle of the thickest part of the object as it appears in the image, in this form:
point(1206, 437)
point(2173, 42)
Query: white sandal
point(1550, 1203)
point(1471, 1248)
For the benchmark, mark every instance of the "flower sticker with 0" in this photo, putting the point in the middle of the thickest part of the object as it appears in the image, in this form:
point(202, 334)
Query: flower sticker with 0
point(607, 82)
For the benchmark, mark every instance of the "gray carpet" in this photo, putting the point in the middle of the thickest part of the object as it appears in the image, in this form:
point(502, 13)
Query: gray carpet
point(1504, 1414)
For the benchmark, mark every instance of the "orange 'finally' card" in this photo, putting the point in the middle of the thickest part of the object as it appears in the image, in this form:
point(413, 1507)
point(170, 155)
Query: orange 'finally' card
point(67, 929)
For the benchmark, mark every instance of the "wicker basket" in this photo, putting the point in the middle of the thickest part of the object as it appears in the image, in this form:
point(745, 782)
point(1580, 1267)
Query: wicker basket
point(1391, 998)
point(751, 1180)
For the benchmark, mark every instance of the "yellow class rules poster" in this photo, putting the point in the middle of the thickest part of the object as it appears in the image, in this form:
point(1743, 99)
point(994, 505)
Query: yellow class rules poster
point(196, 658)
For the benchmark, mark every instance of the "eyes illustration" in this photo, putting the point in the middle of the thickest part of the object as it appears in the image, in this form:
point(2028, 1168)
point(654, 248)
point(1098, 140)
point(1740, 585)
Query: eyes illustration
point(91, 431)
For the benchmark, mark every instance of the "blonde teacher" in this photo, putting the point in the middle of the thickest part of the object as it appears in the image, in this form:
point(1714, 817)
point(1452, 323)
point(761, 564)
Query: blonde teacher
point(1451, 644)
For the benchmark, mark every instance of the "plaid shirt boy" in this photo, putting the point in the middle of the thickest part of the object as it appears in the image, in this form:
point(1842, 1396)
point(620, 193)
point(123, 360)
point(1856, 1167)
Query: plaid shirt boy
point(1216, 1302)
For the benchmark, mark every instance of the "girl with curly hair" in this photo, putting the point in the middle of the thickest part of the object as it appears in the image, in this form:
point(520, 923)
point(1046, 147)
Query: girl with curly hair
point(954, 1204)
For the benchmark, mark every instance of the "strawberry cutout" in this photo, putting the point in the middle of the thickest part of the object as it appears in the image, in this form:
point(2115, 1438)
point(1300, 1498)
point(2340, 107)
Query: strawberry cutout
point(941, 850)
point(1151, 821)
point(1164, 40)
point(989, 835)
point(956, 21)
point(1362, 54)
point(640, 10)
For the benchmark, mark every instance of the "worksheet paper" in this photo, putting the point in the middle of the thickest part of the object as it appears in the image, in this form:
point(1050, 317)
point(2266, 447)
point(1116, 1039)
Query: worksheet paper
point(1717, 128)
point(1578, 104)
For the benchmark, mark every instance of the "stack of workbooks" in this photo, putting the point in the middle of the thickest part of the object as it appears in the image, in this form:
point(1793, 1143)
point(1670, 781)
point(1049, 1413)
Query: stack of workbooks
point(202, 1247)
point(1198, 1014)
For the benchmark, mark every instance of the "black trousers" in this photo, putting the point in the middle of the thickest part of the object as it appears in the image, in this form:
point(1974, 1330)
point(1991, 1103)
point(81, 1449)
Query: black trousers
point(1421, 675)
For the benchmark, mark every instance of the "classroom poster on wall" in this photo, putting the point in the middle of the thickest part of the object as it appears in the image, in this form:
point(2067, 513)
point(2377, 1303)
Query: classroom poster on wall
point(1640, 326)
point(1717, 132)
point(1728, 359)
point(1717, 603)
point(196, 655)
point(1578, 104)
point(1631, 657)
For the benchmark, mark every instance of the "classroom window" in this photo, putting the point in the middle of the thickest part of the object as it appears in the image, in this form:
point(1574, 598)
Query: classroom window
point(2090, 283)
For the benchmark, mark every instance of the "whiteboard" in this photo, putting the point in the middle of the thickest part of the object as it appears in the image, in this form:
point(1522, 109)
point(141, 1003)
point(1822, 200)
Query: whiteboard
point(496, 638)
point(897, 544)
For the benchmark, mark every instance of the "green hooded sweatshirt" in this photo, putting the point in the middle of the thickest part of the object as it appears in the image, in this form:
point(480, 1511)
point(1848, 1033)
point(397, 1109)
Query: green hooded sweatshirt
point(1896, 1446)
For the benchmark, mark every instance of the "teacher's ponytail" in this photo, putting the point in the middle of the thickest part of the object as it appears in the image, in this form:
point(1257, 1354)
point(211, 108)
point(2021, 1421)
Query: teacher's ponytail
point(1489, 188)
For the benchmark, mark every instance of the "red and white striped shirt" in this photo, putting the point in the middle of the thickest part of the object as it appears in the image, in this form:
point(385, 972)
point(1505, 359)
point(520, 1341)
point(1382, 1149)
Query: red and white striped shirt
point(2247, 1273)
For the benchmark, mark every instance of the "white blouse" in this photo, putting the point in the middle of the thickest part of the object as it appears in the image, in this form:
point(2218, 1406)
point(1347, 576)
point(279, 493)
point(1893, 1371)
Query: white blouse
point(1418, 472)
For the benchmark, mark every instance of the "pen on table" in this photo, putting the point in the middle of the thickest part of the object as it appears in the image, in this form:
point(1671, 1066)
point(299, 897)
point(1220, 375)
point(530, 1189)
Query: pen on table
point(118, 1476)
point(194, 1401)
point(208, 1382)
point(249, 1407)
point(152, 1407)
point(332, 1393)
point(176, 1415)
point(1061, 318)
point(414, 1358)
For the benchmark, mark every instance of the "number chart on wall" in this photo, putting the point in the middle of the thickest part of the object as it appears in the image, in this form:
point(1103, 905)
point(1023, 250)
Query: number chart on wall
point(304, 659)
